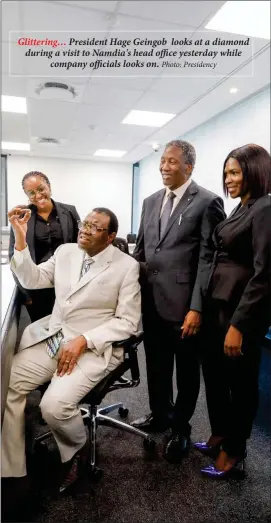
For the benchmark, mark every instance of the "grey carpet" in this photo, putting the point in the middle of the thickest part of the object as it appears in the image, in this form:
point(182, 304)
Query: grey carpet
point(137, 488)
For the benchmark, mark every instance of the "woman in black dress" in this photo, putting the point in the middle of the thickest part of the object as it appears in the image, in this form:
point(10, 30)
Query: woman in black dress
point(237, 309)
point(51, 224)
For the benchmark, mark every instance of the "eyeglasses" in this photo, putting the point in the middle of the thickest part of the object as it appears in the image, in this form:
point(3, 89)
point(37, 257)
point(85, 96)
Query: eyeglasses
point(90, 227)
point(39, 190)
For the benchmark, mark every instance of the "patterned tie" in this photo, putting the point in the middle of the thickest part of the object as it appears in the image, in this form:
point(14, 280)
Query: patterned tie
point(166, 213)
point(53, 343)
point(86, 266)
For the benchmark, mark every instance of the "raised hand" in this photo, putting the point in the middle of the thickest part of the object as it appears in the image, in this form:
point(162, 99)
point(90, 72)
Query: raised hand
point(18, 217)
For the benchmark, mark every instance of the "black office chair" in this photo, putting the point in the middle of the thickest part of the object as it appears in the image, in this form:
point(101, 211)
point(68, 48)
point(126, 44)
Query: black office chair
point(131, 238)
point(93, 416)
point(121, 244)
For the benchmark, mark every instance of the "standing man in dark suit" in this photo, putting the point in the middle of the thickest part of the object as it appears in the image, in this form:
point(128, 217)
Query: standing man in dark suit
point(175, 251)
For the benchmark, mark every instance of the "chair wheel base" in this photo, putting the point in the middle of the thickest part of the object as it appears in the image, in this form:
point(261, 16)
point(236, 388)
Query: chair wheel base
point(95, 473)
point(123, 412)
point(149, 445)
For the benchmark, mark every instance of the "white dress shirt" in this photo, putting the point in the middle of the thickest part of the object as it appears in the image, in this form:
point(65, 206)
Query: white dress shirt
point(179, 194)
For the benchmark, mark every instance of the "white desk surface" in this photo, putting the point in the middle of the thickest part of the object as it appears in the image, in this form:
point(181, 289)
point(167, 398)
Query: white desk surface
point(7, 288)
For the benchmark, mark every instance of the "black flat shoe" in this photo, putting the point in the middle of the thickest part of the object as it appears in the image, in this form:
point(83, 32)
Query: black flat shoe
point(177, 448)
point(151, 424)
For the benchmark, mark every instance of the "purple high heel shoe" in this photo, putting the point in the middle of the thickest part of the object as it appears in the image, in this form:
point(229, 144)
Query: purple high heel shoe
point(237, 470)
point(208, 450)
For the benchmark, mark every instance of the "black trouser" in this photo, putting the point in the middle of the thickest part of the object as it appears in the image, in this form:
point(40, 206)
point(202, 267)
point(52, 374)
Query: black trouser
point(42, 303)
point(163, 343)
point(231, 383)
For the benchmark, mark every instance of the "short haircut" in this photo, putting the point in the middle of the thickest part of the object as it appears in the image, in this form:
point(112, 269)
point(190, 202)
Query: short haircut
point(189, 153)
point(255, 163)
point(113, 222)
point(35, 173)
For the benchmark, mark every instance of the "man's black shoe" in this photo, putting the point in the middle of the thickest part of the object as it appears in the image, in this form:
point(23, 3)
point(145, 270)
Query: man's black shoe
point(150, 424)
point(75, 467)
point(177, 448)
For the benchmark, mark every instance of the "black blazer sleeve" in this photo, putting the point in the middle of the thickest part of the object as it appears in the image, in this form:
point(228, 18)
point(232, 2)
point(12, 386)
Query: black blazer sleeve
point(212, 216)
point(76, 218)
point(257, 290)
point(139, 251)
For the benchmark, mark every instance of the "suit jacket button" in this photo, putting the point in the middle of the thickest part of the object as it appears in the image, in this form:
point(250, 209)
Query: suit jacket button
point(155, 272)
point(158, 249)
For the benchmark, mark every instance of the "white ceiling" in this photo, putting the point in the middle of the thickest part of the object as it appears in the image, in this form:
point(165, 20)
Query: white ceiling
point(92, 120)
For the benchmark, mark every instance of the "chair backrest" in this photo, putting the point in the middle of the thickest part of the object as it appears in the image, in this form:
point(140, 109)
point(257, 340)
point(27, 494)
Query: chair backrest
point(121, 244)
point(131, 238)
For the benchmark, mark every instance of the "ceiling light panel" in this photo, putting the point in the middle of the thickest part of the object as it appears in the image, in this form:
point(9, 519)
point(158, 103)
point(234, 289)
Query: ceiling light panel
point(15, 146)
point(147, 118)
point(109, 153)
point(13, 104)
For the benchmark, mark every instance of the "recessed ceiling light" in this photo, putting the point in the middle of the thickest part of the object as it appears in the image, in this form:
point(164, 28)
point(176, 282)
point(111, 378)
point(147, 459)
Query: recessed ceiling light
point(12, 146)
point(234, 90)
point(109, 152)
point(13, 104)
point(243, 18)
point(148, 118)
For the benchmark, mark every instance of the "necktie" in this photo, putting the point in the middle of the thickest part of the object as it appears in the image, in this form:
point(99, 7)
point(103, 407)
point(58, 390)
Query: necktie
point(53, 343)
point(166, 213)
point(86, 266)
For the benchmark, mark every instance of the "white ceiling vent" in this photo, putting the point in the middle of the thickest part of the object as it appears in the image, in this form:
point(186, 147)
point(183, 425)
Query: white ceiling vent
point(48, 141)
point(56, 91)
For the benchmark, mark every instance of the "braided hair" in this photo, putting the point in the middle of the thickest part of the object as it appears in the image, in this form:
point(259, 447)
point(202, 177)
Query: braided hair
point(35, 173)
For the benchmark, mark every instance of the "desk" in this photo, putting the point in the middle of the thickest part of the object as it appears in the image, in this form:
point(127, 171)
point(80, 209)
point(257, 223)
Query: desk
point(7, 290)
point(9, 328)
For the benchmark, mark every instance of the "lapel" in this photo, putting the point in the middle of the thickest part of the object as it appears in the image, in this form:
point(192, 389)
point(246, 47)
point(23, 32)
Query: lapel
point(235, 210)
point(156, 213)
point(184, 202)
point(30, 235)
point(76, 260)
point(235, 215)
point(63, 220)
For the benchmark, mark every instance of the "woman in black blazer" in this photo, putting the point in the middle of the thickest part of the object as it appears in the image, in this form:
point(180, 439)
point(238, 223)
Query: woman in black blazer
point(51, 224)
point(237, 309)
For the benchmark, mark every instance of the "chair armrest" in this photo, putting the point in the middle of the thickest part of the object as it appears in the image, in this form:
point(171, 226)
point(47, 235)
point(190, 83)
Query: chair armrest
point(130, 348)
point(131, 342)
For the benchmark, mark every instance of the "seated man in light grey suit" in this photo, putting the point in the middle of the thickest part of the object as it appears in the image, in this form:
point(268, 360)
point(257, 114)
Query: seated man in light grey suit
point(97, 303)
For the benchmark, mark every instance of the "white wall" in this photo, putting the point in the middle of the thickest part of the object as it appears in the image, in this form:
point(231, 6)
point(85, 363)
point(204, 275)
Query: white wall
point(247, 122)
point(82, 183)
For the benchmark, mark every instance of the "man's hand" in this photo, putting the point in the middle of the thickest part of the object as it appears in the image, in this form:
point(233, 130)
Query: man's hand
point(191, 324)
point(18, 217)
point(70, 354)
point(233, 343)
